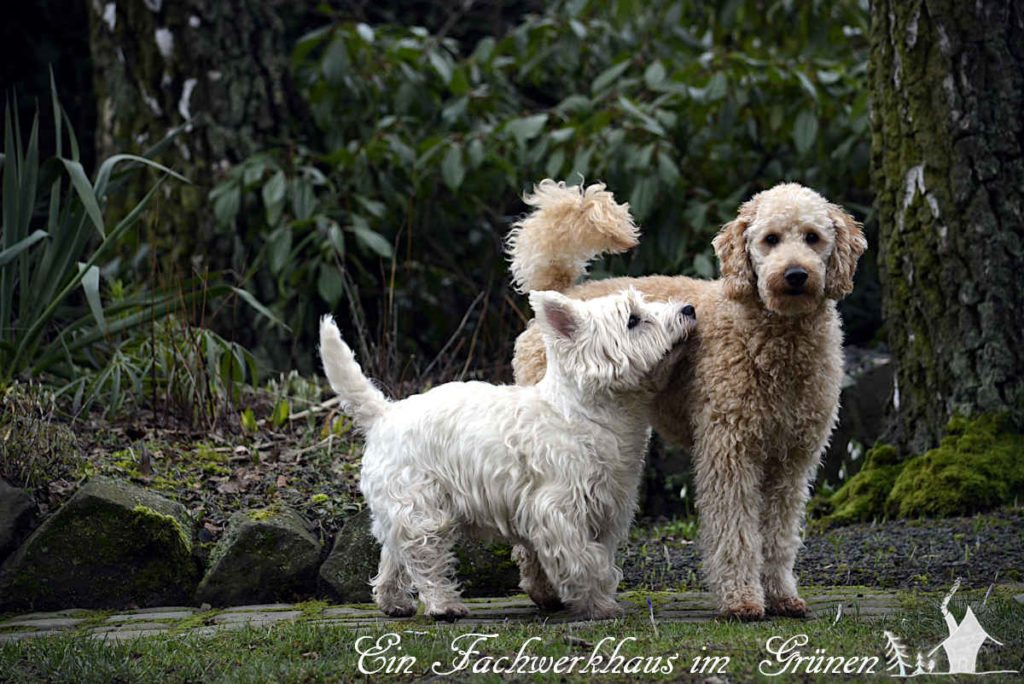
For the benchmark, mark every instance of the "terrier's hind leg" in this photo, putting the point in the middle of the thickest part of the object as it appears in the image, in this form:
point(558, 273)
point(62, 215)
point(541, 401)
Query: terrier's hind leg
point(422, 544)
point(392, 590)
point(534, 582)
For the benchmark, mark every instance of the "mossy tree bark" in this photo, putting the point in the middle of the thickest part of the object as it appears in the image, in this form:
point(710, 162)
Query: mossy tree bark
point(947, 81)
point(218, 67)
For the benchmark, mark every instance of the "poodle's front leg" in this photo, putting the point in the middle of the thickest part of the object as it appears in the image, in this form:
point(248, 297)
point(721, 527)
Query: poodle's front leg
point(728, 478)
point(786, 489)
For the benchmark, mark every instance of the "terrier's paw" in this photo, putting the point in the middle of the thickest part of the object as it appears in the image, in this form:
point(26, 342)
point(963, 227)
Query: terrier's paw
point(790, 606)
point(398, 610)
point(609, 610)
point(745, 611)
point(449, 612)
point(547, 602)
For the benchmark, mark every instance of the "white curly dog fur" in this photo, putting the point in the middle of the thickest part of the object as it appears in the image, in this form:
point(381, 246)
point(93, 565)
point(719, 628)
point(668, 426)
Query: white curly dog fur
point(757, 393)
point(552, 467)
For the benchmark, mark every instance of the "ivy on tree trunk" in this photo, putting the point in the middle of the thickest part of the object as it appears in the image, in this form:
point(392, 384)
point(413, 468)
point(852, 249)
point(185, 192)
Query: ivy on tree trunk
point(947, 82)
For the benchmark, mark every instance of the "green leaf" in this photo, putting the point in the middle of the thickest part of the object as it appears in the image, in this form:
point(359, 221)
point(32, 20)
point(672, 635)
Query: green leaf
point(608, 76)
point(555, 163)
point(475, 153)
point(279, 246)
point(273, 197)
point(337, 239)
point(21, 245)
point(225, 207)
point(335, 63)
point(303, 199)
point(667, 169)
point(441, 65)
point(281, 412)
point(703, 266)
point(248, 420)
point(452, 169)
point(85, 193)
point(641, 200)
point(373, 241)
point(249, 299)
point(365, 32)
point(328, 284)
point(91, 286)
point(654, 74)
point(805, 129)
point(717, 87)
point(527, 128)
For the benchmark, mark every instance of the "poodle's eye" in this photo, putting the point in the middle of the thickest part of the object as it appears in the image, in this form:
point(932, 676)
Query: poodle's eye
point(772, 239)
point(811, 238)
point(633, 321)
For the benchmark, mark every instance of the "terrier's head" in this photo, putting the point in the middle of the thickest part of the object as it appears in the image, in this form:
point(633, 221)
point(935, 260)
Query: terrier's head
point(616, 343)
point(790, 247)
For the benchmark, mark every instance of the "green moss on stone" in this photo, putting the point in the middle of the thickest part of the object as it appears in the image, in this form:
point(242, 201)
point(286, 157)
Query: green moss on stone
point(864, 495)
point(977, 466)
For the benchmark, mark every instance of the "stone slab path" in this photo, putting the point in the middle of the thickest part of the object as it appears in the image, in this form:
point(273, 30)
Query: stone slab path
point(128, 625)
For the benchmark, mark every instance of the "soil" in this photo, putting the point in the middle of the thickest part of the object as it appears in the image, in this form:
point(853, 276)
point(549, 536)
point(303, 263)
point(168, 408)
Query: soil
point(929, 554)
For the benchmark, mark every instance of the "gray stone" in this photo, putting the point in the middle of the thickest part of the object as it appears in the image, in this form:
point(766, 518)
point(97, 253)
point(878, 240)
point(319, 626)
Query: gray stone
point(110, 546)
point(263, 606)
point(43, 623)
point(257, 617)
point(148, 615)
point(263, 556)
point(1019, 598)
point(17, 513)
point(126, 634)
point(485, 569)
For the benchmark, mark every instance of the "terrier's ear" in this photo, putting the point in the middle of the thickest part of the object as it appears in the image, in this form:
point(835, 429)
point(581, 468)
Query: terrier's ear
point(731, 249)
point(555, 312)
point(850, 244)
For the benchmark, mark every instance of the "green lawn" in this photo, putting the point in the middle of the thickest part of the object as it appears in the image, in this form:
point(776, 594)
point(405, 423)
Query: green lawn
point(306, 652)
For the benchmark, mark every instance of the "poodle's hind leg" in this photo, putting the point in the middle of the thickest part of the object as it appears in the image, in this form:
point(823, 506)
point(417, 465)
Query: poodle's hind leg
point(392, 589)
point(534, 581)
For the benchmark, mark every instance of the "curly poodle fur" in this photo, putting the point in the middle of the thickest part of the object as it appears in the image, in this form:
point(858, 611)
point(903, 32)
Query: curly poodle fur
point(757, 396)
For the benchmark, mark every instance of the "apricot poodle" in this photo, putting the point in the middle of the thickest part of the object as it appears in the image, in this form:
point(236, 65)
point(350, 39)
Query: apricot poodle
point(757, 396)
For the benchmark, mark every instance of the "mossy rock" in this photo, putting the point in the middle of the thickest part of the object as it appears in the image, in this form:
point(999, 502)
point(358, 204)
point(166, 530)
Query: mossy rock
point(264, 556)
point(864, 495)
point(978, 466)
point(17, 513)
point(111, 545)
point(484, 569)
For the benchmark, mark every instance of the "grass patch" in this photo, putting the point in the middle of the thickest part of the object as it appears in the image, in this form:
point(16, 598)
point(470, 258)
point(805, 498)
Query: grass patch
point(302, 652)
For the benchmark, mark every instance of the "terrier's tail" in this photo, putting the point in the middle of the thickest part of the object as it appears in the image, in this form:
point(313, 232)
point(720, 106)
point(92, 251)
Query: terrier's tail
point(359, 398)
point(569, 226)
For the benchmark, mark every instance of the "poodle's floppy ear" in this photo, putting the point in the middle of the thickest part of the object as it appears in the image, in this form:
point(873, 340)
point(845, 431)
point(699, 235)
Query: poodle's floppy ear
point(555, 313)
point(731, 249)
point(850, 244)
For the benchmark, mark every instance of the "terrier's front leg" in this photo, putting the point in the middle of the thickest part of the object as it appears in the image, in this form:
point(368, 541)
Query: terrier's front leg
point(533, 581)
point(579, 568)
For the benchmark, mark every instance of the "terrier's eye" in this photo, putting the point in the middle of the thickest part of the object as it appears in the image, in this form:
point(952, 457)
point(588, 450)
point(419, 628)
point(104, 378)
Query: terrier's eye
point(772, 239)
point(811, 238)
point(633, 321)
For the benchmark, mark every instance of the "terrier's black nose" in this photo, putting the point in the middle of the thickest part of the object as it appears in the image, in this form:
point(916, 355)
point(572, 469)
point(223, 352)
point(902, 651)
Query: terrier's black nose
point(689, 311)
point(795, 276)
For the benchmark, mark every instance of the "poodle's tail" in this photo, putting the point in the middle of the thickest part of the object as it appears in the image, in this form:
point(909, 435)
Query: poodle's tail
point(569, 226)
point(359, 398)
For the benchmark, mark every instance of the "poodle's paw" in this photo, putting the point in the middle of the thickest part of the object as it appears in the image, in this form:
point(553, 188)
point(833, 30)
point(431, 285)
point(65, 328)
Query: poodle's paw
point(744, 611)
point(449, 612)
point(789, 606)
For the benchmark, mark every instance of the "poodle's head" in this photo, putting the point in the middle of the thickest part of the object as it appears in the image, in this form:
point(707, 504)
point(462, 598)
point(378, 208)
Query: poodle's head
point(617, 343)
point(791, 248)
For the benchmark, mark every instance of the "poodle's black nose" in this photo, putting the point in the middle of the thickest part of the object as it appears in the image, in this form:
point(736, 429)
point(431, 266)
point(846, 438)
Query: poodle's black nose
point(795, 276)
point(689, 311)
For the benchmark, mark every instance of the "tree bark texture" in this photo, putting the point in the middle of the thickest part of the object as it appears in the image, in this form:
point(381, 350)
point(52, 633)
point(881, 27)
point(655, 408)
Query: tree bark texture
point(218, 67)
point(947, 82)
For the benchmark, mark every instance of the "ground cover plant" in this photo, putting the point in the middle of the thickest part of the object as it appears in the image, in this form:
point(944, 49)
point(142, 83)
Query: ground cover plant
point(305, 651)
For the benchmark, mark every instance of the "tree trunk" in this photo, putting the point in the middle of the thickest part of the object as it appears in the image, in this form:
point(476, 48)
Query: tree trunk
point(947, 81)
point(220, 66)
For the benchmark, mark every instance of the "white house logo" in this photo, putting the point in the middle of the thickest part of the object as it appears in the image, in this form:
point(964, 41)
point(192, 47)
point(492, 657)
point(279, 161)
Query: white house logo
point(961, 647)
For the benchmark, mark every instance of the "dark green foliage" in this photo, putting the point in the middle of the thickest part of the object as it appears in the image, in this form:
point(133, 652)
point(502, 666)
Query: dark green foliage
point(684, 109)
point(863, 496)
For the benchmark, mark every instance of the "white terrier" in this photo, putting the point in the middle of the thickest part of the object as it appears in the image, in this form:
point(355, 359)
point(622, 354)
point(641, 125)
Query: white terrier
point(554, 467)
